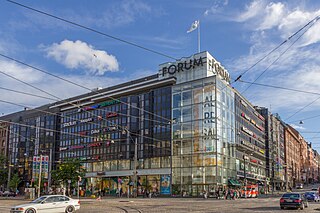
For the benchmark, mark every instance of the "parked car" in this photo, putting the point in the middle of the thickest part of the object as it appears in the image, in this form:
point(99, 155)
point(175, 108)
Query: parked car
point(49, 203)
point(312, 196)
point(299, 186)
point(293, 200)
point(8, 194)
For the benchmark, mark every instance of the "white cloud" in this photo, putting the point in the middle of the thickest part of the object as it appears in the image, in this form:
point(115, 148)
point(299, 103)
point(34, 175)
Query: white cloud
point(78, 54)
point(17, 71)
point(259, 16)
point(46, 83)
point(274, 12)
point(126, 12)
point(217, 7)
point(297, 127)
point(251, 11)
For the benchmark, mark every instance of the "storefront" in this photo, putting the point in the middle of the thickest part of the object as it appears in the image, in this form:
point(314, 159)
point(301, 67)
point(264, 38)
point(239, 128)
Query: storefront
point(157, 185)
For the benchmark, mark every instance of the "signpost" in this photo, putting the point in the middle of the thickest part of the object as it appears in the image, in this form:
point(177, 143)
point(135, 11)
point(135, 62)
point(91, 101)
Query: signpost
point(40, 169)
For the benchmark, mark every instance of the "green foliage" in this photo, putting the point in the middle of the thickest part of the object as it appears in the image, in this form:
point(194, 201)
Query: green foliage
point(68, 170)
point(3, 170)
point(14, 182)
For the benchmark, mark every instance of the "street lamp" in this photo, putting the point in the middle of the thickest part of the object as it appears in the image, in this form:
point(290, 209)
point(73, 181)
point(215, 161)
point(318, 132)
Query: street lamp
point(135, 159)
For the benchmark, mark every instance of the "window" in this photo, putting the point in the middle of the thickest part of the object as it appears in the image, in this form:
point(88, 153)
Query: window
point(176, 100)
point(51, 199)
point(62, 198)
point(186, 98)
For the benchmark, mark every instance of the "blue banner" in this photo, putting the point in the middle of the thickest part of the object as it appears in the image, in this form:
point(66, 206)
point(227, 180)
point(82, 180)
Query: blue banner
point(165, 184)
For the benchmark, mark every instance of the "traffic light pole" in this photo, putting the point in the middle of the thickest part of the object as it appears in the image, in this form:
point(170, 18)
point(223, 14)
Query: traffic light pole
point(39, 183)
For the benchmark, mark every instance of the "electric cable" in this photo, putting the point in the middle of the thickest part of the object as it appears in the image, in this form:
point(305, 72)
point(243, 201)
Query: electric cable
point(279, 87)
point(313, 21)
point(72, 134)
point(70, 82)
point(93, 30)
point(277, 47)
point(303, 108)
point(78, 106)
point(43, 97)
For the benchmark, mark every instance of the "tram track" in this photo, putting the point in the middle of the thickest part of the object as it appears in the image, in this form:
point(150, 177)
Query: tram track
point(129, 209)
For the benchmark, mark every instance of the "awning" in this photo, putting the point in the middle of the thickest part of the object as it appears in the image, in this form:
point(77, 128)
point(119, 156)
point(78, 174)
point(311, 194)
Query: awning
point(233, 182)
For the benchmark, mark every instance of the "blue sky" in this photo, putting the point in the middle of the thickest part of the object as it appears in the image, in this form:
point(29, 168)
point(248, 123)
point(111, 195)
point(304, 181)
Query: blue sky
point(236, 33)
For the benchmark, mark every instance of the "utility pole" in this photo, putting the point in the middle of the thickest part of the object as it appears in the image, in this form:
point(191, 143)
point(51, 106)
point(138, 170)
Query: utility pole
point(50, 168)
point(39, 183)
point(245, 176)
point(135, 167)
point(9, 176)
point(9, 172)
point(79, 180)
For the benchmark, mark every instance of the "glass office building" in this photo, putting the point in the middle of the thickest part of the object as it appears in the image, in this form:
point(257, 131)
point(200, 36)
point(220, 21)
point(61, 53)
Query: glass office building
point(203, 130)
point(103, 135)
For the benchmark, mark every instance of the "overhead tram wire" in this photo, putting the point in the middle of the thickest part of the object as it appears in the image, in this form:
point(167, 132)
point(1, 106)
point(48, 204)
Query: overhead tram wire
point(99, 110)
point(77, 106)
point(278, 87)
point(93, 30)
point(147, 49)
point(70, 133)
point(26, 93)
point(71, 82)
point(273, 50)
point(139, 46)
point(302, 108)
point(130, 43)
point(30, 140)
point(303, 119)
point(124, 41)
point(313, 21)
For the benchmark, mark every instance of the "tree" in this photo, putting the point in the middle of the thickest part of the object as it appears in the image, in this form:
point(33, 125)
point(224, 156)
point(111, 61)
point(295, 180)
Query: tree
point(68, 170)
point(14, 182)
point(3, 170)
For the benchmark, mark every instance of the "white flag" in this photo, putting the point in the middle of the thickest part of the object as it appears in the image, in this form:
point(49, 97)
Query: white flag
point(194, 26)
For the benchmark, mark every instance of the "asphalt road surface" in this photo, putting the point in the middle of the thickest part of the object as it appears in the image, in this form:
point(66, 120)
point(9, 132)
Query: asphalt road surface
point(164, 205)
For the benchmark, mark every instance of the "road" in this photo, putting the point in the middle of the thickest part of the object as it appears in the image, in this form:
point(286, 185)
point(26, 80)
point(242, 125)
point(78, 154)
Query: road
point(263, 204)
point(164, 205)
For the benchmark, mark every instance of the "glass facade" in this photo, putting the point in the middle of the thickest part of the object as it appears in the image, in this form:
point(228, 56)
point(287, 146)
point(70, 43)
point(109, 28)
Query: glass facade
point(192, 132)
point(103, 137)
point(34, 135)
point(203, 154)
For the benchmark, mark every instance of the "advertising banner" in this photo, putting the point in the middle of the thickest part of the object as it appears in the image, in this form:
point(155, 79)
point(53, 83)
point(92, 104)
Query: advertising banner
point(165, 184)
point(44, 166)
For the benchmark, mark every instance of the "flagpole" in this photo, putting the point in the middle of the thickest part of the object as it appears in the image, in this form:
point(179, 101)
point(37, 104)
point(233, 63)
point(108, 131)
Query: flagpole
point(199, 38)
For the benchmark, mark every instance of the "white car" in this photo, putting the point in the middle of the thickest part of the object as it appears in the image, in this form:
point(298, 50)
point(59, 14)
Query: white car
point(48, 203)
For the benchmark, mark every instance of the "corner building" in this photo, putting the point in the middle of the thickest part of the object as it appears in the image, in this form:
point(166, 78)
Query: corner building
point(174, 133)
point(203, 151)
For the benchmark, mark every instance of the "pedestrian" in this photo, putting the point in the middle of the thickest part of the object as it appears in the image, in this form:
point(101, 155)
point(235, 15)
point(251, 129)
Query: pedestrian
point(205, 195)
point(121, 192)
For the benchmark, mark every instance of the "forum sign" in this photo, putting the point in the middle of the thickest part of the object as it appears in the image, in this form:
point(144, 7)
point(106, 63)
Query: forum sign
point(198, 66)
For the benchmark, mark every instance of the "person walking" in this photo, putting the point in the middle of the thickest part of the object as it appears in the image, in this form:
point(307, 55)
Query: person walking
point(205, 195)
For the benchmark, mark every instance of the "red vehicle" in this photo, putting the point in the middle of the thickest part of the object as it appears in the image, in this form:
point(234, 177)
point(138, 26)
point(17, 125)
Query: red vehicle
point(252, 191)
